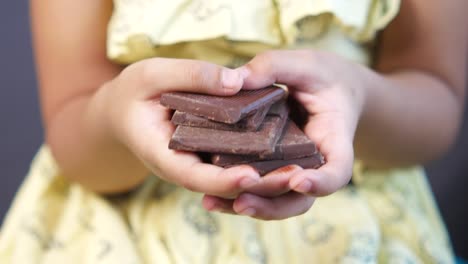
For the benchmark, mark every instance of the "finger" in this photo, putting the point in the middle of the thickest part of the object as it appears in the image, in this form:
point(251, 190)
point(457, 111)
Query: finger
point(160, 75)
point(275, 183)
point(290, 67)
point(187, 170)
point(184, 168)
point(270, 185)
point(218, 204)
point(281, 207)
point(332, 176)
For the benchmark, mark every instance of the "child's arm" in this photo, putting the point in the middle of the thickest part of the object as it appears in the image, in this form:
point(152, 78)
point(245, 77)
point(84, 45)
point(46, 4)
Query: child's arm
point(69, 44)
point(415, 106)
point(103, 123)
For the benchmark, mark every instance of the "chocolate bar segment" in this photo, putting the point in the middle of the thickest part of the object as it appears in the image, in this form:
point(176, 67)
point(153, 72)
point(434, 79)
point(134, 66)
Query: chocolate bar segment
point(249, 123)
point(292, 145)
point(225, 109)
point(261, 142)
point(264, 167)
point(295, 144)
point(279, 109)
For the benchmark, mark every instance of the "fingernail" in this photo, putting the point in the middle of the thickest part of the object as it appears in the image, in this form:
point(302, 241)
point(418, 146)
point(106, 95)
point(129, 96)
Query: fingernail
point(230, 79)
point(284, 170)
point(303, 186)
point(248, 212)
point(247, 182)
point(215, 208)
point(243, 71)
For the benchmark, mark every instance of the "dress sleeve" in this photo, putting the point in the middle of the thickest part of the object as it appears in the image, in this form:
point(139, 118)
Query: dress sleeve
point(358, 19)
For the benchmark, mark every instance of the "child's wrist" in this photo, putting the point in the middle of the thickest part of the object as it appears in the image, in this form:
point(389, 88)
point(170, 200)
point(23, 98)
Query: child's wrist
point(102, 112)
point(363, 89)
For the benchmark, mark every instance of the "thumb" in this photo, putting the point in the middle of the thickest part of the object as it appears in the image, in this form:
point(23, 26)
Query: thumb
point(160, 75)
point(289, 67)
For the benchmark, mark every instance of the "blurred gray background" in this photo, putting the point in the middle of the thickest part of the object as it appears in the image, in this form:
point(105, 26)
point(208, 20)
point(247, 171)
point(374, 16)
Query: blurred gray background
point(21, 132)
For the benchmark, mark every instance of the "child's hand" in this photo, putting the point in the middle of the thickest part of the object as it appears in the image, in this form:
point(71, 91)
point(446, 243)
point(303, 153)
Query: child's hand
point(270, 199)
point(143, 125)
point(329, 89)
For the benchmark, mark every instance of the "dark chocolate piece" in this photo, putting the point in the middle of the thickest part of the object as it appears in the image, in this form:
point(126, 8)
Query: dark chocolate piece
point(298, 113)
point(279, 109)
point(249, 123)
point(225, 109)
point(261, 142)
point(264, 167)
point(292, 145)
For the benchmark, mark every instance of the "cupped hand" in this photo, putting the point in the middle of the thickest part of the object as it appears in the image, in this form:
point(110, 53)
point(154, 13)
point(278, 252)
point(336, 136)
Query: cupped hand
point(330, 90)
point(143, 125)
point(270, 199)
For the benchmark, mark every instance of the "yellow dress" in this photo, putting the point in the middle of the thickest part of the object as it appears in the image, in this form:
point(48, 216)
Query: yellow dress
point(385, 217)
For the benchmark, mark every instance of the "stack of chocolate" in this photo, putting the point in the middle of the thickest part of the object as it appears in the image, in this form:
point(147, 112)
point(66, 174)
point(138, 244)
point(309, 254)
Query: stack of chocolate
point(251, 127)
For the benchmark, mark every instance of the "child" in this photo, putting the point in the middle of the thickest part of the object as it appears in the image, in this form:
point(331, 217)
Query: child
point(106, 189)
